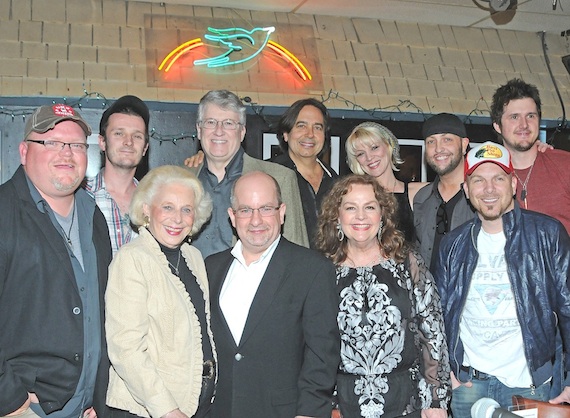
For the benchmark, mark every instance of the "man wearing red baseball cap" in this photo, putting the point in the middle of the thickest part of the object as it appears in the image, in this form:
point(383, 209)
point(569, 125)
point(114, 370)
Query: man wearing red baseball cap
point(54, 255)
point(503, 281)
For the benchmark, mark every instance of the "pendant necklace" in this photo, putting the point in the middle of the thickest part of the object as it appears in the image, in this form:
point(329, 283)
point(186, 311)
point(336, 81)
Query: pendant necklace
point(524, 184)
point(68, 234)
point(377, 258)
point(175, 268)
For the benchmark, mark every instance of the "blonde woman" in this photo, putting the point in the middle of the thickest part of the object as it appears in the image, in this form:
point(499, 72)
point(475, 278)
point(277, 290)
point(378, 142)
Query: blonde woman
point(373, 149)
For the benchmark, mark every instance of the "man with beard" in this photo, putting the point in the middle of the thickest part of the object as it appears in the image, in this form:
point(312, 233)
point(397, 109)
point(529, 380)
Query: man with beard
point(503, 279)
point(516, 113)
point(441, 206)
point(54, 255)
point(123, 138)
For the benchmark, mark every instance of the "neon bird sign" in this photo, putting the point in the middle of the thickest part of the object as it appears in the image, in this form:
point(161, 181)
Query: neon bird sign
point(227, 37)
point(224, 36)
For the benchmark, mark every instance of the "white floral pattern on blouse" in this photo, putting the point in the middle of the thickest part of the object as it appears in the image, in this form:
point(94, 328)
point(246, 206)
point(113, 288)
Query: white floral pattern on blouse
point(373, 331)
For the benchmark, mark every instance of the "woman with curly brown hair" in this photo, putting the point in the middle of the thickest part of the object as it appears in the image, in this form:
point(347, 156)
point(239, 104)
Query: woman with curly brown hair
point(394, 358)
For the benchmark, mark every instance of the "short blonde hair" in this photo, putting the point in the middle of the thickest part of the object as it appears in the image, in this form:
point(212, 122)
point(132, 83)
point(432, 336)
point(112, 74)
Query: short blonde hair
point(158, 177)
point(371, 133)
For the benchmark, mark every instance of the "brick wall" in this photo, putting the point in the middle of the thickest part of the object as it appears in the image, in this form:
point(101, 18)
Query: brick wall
point(61, 48)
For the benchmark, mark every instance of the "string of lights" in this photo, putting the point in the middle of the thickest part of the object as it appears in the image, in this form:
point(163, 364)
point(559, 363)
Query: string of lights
point(174, 138)
point(380, 113)
point(79, 102)
point(479, 112)
point(402, 106)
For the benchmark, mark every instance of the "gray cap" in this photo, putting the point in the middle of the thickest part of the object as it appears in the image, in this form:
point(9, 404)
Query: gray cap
point(46, 117)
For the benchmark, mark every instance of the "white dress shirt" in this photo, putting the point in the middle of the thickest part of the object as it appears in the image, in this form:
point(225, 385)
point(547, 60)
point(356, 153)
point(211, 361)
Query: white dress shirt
point(240, 287)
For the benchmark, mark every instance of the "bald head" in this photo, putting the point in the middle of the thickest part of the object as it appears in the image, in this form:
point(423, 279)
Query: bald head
point(257, 213)
point(252, 178)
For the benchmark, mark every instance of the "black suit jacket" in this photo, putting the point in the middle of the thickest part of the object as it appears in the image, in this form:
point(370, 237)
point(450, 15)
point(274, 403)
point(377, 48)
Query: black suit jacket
point(286, 361)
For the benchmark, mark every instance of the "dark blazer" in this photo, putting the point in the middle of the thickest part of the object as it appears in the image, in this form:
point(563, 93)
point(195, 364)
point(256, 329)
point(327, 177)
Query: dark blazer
point(288, 356)
point(41, 337)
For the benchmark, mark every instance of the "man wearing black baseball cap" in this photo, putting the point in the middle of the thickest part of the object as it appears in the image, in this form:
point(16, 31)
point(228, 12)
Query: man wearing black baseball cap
point(441, 206)
point(54, 256)
point(123, 138)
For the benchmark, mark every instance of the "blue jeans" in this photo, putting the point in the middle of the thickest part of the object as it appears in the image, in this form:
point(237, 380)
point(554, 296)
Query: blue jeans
point(462, 398)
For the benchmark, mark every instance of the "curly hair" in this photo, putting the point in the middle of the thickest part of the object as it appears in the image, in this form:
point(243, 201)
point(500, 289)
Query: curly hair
point(513, 90)
point(371, 133)
point(392, 241)
point(161, 176)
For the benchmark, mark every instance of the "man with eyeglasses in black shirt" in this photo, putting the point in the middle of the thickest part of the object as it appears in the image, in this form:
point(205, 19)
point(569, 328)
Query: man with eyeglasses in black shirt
point(441, 206)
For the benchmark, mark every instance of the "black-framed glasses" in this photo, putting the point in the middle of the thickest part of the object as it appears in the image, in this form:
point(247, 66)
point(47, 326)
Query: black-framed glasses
point(246, 212)
point(227, 124)
point(53, 145)
point(442, 220)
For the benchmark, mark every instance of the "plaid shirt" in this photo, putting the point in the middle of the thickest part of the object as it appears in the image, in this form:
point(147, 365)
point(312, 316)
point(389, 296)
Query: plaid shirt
point(120, 230)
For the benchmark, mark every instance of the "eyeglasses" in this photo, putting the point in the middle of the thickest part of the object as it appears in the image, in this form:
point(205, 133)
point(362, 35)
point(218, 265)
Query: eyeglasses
point(248, 212)
point(51, 145)
point(227, 124)
point(442, 221)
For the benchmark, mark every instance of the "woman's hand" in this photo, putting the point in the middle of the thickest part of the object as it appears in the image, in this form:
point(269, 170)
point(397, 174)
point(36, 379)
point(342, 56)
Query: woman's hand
point(195, 160)
point(543, 147)
point(90, 413)
point(176, 413)
point(564, 397)
point(456, 383)
point(434, 413)
point(31, 398)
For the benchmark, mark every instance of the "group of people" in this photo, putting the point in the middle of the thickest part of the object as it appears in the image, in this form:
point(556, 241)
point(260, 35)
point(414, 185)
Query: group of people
point(193, 293)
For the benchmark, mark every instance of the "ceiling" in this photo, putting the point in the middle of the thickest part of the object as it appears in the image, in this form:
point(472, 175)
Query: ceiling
point(528, 15)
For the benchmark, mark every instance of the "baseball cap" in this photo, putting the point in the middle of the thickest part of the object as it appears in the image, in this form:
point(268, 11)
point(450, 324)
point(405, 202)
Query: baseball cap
point(444, 123)
point(488, 152)
point(46, 117)
point(122, 103)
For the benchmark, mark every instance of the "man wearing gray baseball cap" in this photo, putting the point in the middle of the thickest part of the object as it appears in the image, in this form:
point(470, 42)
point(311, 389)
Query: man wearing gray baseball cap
point(54, 255)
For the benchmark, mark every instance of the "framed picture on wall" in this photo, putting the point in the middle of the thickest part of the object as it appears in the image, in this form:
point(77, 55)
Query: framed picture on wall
point(413, 168)
point(271, 149)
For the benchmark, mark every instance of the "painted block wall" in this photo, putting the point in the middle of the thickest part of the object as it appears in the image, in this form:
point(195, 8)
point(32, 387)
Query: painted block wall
point(63, 48)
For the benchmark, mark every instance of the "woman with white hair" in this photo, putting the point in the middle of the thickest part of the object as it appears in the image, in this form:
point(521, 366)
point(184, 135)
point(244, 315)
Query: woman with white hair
point(157, 304)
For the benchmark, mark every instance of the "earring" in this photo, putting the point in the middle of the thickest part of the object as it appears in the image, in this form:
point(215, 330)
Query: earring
point(146, 221)
point(339, 232)
point(380, 230)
